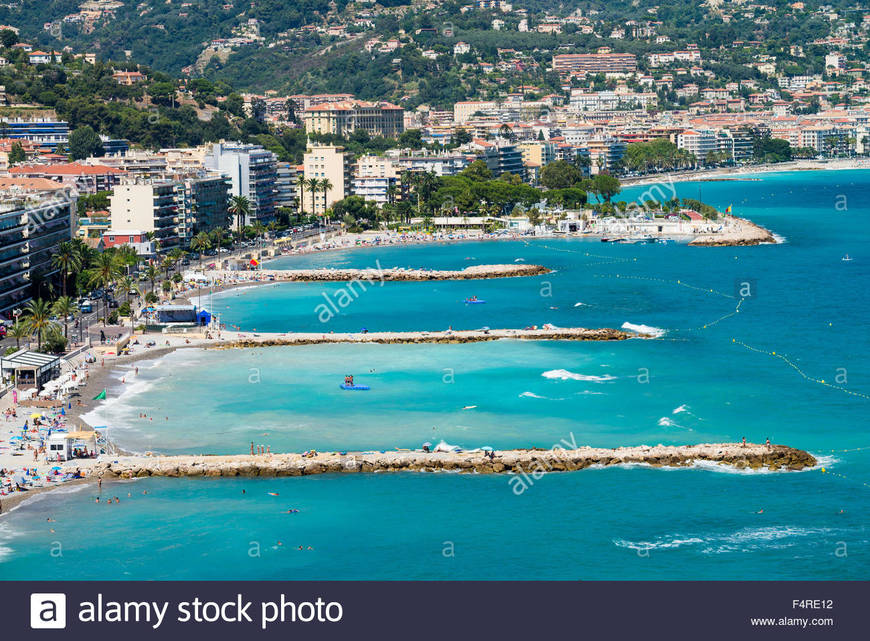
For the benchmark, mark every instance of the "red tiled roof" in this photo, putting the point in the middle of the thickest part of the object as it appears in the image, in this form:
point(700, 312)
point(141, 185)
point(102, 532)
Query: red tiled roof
point(67, 169)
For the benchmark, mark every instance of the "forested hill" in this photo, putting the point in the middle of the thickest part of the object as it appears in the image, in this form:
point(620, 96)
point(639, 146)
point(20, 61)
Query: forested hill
point(292, 45)
point(165, 34)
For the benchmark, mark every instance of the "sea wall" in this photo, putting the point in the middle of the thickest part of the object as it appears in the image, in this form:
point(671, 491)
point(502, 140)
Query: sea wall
point(752, 456)
point(450, 336)
point(474, 272)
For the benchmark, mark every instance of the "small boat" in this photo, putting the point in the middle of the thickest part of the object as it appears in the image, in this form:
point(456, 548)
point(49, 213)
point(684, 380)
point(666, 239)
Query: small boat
point(846, 258)
point(360, 388)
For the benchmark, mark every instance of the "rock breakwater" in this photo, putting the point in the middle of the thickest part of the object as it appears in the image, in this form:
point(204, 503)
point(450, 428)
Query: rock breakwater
point(378, 274)
point(751, 456)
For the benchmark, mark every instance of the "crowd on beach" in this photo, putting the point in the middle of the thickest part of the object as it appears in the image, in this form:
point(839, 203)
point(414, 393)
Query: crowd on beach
point(25, 463)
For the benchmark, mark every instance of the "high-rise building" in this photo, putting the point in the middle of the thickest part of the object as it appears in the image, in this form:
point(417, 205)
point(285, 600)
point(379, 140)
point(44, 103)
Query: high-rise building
point(287, 185)
point(32, 224)
point(202, 203)
point(501, 158)
point(326, 162)
point(147, 207)
point(252, 171)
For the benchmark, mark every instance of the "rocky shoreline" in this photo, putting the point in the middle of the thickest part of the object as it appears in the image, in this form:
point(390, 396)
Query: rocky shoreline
point(474, 272)
point(532, 461)
point(746, 234)
point(449, 336)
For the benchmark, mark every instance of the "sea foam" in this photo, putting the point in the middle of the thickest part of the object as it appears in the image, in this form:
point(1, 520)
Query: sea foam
point(644, 329)
point(564, 375)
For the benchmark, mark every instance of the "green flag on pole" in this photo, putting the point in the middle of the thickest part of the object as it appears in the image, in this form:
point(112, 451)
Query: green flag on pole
point(101, 396)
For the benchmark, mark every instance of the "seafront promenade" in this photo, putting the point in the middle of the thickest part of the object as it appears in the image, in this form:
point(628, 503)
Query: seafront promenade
point(482, 461)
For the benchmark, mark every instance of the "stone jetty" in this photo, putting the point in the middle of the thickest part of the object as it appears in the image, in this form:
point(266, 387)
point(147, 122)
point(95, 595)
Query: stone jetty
point(740, 232)
point(528, 462)
point(378, 274)
point(246, 339)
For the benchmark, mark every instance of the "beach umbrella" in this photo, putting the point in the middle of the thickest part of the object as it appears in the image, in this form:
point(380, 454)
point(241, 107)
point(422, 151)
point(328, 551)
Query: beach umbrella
point(427, 444)
point(36, 415)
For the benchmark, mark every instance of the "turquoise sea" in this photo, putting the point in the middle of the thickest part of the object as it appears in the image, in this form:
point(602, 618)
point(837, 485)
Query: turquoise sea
point(790, 362)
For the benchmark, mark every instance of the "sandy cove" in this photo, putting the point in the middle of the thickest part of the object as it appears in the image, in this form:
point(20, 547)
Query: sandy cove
point(751, 456)
point(474, 272)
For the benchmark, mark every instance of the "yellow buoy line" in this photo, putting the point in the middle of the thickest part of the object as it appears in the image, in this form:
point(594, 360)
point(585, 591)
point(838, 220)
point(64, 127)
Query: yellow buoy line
point(706, 290)
point(794, 366)
point(712, 323)
point(842, 476)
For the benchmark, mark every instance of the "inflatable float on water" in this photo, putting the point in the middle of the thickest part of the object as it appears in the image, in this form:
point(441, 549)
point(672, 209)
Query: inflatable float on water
point(469, 301)
point(345, 386)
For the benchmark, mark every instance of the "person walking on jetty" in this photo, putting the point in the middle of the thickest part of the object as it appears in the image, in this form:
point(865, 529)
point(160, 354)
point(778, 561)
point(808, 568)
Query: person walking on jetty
point(744, 441)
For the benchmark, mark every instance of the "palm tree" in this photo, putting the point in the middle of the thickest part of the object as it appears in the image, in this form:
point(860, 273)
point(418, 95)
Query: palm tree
point(325, 185)
point(68, 260)
point(240, 207)
point(217, 236)
point(313, 186)
point(63, 308)
point(200, 243)
point(106, 267)
point(37, 317)
point(302, 184)
point(166, 265)
point(152, 274)
point(176, 255)
point(128, 257)
point(126, 283)
point(259, 229)
point(18, 331)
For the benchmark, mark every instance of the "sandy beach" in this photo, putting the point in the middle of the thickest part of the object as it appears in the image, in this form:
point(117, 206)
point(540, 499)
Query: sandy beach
point(737, 173)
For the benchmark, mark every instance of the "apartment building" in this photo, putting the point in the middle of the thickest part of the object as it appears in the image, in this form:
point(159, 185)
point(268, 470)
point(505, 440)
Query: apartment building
point(604, 153)
point(327, 162)
point(86, 179)
point(150, 206)
point(501, 158)
point(699, 142)
point(202, 204)
point(465, 110)
point(343, 118)
point(376, 179)
point(287, 185)
point(566, 64)
point(252, 171)
point(34, 218)
point(43, 131)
